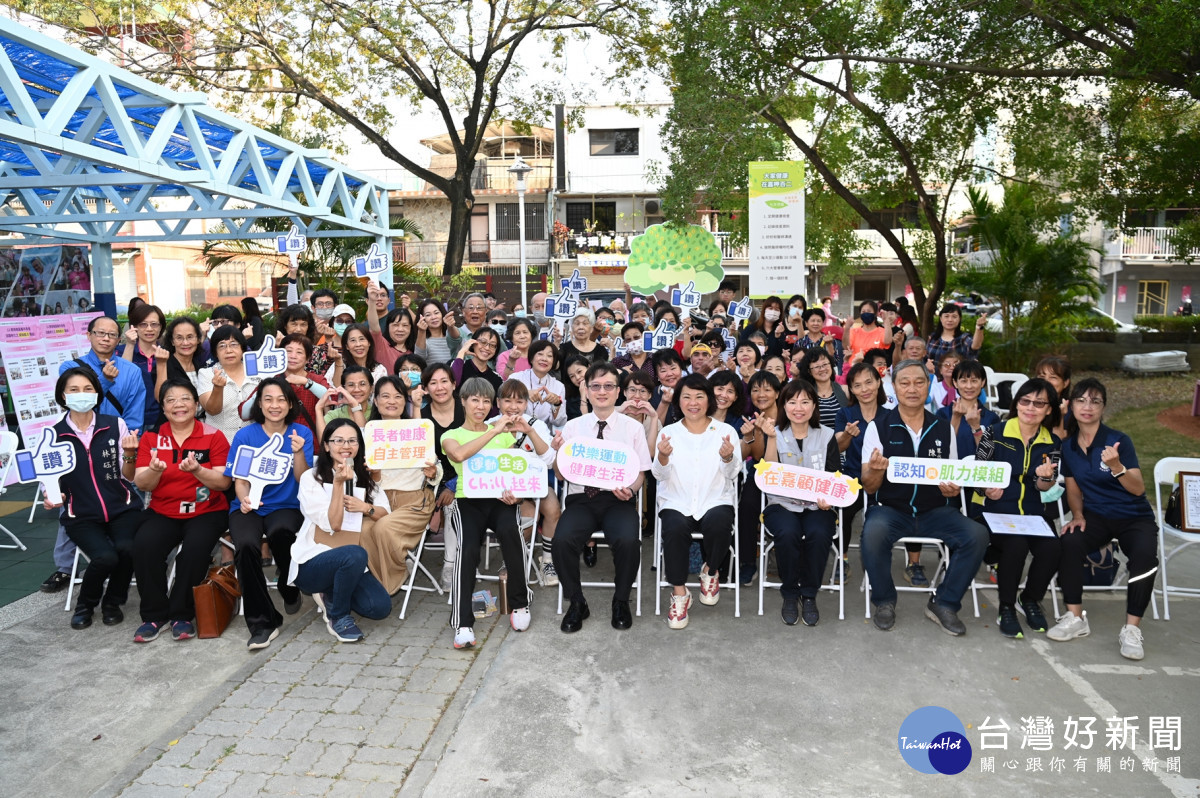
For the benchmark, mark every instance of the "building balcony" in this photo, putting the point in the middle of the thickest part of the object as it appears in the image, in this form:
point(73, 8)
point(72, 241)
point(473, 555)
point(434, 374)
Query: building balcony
point(1143, 243)
point(479, 252)
point(490, 176)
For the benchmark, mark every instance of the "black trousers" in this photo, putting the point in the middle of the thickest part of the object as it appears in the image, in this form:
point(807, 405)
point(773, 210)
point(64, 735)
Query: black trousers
point(1013, 551)
point(717, 528)
point(1139, 540)
point(247, 530)
point(156, 537)
point(475, 518)
point(109, 549)
point(584, 516)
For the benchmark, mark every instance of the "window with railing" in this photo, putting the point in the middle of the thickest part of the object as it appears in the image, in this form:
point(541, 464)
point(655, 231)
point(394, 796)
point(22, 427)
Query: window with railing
point(197, 288)
point(616, 141)
point(508, 222)
point(231, 279)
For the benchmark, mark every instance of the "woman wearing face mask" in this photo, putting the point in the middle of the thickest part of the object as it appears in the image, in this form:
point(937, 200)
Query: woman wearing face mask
point(410, 494)
point(433, 326)
point(793, 327)
point(949, 337)
point(803, 532)
point(352, 400)
point(766, 323)
point(635, 357)
point(581, 344)
point(299, 320)
point(1026, 443)
point(764, 391)
point(225, 387)
point(103, 511)
point(516, 358)
point(547, 395)
point(868, 335)
point(357, 349)
point(409, 369)
point(341, 505)
point(498, 321)
point(181, 345)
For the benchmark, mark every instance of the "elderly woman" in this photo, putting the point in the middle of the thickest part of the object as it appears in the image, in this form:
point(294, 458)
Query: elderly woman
point(696, 465)
point(340, 503)
point(182, 465)
point(225, 386)
point(547, 394)
point(103, 512)
point(581, 343)
point(1107, 496)
point(477, 516)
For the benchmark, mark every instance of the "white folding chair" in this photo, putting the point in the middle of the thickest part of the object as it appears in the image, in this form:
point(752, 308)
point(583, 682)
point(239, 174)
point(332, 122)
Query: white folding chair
point(995, 379)
point(766, 542)
point(1164, 474)
point(415, 566)
point(533, 573)
point(977, 585)
point(8, 448)
point(598, 536)
point(732, 581)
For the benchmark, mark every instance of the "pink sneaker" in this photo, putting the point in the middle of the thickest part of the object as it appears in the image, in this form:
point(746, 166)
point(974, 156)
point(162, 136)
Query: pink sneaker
point(677, 616)
point(710, 588)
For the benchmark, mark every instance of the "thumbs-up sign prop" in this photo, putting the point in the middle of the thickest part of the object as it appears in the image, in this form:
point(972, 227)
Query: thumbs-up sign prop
point(562, 306)
point(269, 464)
point(46, 463)
point(268, 361)
point(731, 342)
point(372, 264)
point(292, 244)
point(661, 337)
point(686, 298)
point(575, 284)
point(740, 310)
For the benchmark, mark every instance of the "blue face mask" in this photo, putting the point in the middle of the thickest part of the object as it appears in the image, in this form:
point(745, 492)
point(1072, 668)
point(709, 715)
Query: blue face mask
point(339, 328)
point(81, 402)
point(520, 314)
point(413, 378)
point(500, 329)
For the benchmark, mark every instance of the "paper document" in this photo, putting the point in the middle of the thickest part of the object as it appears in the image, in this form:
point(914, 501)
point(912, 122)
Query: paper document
point(1002, 524)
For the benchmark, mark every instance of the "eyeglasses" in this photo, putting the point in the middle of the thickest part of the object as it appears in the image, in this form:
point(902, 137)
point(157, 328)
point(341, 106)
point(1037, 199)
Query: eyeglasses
point(149, 325)
point(344, 441)
point(602, 386)
point(1088, 401)
point(220, 322)
point(102, 334)
point(1040, 404)
point(226, 346)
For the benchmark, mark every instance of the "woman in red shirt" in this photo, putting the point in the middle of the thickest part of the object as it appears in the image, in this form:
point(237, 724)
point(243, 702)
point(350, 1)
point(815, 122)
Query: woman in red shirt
point(184, 465)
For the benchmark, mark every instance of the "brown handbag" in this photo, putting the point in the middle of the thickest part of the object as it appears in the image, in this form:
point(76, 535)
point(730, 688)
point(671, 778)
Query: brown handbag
point(216, 601)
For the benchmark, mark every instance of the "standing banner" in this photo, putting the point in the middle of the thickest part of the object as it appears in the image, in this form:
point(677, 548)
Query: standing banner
point(776, 229)
point(45, 281)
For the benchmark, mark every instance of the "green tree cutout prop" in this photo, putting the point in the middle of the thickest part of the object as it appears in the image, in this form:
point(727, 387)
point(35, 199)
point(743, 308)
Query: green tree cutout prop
point(669, 254)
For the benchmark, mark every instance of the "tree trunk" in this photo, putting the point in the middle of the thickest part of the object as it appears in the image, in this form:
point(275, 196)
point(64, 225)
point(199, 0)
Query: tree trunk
point(461, 201)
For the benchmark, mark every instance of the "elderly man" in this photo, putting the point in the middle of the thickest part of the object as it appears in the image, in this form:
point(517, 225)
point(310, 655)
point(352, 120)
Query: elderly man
point(537, 309)
point(909, 430)
point(124, 396)
point(474, 309)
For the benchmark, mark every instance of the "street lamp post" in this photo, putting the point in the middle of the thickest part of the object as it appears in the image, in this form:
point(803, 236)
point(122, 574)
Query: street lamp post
point(519, 169)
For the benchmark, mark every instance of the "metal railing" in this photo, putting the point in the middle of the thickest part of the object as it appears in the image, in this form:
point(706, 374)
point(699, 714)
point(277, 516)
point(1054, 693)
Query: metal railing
point(1146, 243)
point(427, 253)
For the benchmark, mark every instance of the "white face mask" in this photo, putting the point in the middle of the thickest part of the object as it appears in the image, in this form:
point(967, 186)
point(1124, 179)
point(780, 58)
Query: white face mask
point(794, 311)
point(634, 347)
point(762, 350)
point(81, 402)
point(771, 314)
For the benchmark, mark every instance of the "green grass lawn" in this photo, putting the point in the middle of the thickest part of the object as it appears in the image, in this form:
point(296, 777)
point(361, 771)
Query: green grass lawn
point(1152, 440)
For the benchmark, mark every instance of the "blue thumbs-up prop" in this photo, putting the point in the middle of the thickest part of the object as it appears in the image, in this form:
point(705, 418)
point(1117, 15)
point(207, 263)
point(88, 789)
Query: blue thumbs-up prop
point(292, 244)
point(562, 306)
point(268, 361)
point(269, 464)
point(686, 298)
point(661, 337)
point(731, 342)
point(372, 264)
point(740, 310)
point(575, 284)
point(46, 463)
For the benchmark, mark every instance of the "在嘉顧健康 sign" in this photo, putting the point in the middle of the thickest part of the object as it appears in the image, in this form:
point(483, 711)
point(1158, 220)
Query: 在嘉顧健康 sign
point(597, 463)
point(399, 443)
point(806, 484)
point(933, 471)
point(490, 473)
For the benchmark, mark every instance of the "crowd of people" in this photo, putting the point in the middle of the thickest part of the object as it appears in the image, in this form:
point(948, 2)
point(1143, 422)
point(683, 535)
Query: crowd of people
point(156, 422)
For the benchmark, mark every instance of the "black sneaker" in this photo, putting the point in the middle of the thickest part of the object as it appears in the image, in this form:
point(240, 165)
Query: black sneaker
point(945, 617)
point(914, 574)
point(1008, 623)
point(790, 612)
point(55, 582)
point(884, 616)
point(293, 607)
point(747, 572)
point(261, 639)
point(809, 611)
point(589, 555)
point(1034, 616)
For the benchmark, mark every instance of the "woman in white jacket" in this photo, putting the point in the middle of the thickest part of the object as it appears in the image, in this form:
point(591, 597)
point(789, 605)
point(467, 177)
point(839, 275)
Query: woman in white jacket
point(696, 467)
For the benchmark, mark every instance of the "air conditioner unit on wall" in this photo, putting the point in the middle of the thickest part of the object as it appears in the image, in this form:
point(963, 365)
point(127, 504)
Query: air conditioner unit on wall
point(653, 207)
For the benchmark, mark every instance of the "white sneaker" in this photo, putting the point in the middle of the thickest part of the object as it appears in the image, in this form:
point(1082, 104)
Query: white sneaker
point(710, 588)
point(464, 637)
point(549, 575)
point(519, 619)
point(1130, 639)
point(1069, 627)
point(677, 616)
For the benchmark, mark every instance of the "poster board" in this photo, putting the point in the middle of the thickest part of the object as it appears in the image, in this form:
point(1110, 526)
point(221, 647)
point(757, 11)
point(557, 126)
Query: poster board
point(1189, 501)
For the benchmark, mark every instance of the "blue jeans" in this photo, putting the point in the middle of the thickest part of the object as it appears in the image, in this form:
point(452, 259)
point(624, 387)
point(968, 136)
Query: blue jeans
point(803, 542)
point(342, 575)
point(966, 539)
point(64, 552)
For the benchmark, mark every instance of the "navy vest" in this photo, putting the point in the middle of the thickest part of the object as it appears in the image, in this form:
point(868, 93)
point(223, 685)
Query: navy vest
point(94, 490)
point(895, 440)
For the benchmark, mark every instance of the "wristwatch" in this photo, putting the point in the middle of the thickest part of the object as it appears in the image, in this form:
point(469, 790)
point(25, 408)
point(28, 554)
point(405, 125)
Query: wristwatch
point(371, 512)
point(1118, 476)
point(356, 408)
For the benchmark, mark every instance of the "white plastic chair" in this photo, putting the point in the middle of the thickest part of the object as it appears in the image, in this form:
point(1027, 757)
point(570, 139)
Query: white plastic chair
point(1165, 471)
point(732, 581)
point(598, 536)
point(8, 448)
point(994, 379)
point(764, 549)
point(415, 566)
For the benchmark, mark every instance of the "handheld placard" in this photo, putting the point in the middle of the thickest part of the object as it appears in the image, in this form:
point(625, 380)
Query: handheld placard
point(46, 463)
